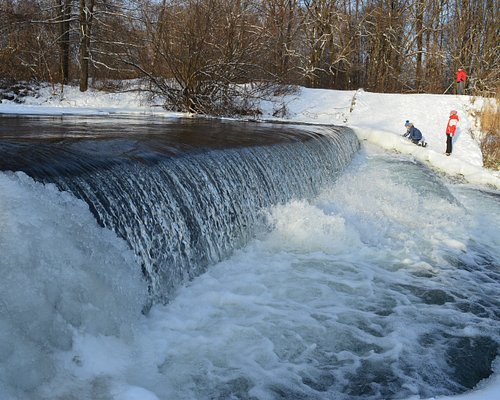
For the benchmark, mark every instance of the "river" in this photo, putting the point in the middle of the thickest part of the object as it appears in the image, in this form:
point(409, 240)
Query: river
point(192, 259)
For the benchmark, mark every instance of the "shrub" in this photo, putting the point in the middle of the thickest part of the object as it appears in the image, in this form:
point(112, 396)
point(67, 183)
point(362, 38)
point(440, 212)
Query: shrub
point(490, 122)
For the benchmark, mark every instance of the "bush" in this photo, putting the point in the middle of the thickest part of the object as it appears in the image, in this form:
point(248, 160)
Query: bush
point(490, 143)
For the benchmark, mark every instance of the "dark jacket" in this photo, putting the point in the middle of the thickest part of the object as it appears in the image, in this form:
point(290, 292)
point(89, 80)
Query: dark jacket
point(414, 134)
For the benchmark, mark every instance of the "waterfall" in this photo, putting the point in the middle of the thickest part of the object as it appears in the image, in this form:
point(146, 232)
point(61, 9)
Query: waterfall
point(182, 211)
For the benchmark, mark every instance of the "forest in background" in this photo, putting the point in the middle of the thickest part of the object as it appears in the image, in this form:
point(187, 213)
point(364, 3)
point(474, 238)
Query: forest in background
point(196, 54)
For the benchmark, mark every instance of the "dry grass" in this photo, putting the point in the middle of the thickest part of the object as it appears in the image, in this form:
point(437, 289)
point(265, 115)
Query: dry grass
point(490, 126)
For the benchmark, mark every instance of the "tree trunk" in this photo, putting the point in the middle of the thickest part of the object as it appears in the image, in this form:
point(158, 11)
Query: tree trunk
point(86, 12)
point(419, 33)
point(64, 17)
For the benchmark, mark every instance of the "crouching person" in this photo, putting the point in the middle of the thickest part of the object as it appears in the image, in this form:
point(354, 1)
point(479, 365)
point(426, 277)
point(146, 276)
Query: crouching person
point(414, 134)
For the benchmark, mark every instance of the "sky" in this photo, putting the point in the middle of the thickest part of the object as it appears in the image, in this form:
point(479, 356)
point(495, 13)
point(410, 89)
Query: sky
point(375, 118)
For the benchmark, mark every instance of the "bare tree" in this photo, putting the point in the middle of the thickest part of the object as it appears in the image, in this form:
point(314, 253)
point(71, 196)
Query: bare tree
point(419, 27)
point(64, 18)
point(86, 15)
point(199, 54)
point(280, 26)
point(203, 50)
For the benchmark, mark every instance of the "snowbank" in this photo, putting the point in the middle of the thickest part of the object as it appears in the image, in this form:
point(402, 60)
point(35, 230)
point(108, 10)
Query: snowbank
point(379, 119)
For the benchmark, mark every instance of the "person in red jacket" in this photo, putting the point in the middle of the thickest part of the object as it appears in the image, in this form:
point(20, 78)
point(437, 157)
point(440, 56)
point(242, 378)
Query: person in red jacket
point(460, 81)
point(450, 131)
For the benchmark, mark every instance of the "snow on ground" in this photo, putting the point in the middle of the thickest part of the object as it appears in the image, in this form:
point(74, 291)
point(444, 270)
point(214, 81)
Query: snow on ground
point(379, 118)
point(70, 101)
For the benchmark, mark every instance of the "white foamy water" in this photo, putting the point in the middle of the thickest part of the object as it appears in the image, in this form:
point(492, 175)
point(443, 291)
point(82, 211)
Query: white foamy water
point(63, 278)
point(384, 287)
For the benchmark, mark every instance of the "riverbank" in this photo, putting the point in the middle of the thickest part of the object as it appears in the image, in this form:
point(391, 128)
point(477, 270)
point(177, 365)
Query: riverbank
point(375, 117)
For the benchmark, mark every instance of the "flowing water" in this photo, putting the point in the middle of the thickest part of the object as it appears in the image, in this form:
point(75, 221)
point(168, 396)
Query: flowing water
point(200, 260)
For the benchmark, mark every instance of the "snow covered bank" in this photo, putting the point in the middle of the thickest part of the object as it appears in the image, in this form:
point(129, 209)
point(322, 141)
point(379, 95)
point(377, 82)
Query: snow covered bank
point(379, 119)
point(376, 118)
point(70, 101)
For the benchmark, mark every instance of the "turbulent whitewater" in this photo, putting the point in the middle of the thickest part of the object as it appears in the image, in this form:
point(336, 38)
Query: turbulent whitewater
point(272, 269)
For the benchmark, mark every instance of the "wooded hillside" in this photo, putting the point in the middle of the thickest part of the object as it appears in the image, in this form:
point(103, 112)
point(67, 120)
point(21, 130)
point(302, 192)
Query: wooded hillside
point(194, 51)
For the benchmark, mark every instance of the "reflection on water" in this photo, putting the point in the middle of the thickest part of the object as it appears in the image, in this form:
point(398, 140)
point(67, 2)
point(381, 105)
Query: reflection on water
point(53, 145)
